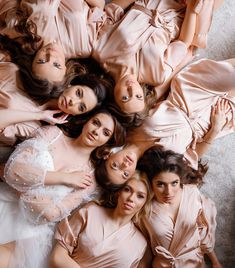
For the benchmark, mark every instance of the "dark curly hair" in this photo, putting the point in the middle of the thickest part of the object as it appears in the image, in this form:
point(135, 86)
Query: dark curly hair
point(156, 160)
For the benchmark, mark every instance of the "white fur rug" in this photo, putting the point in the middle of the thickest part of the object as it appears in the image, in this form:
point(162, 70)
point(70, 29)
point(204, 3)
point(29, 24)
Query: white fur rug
point(220, 180)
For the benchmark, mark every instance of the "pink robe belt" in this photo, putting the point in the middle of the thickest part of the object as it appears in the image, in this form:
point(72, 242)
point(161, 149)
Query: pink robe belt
point(157, 19)
point(164, 258)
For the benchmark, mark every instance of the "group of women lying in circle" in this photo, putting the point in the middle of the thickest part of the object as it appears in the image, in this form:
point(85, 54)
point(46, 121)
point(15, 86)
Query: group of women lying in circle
point(110, 150)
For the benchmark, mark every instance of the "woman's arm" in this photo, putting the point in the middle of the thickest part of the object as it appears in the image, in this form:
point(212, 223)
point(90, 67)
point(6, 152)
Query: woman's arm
point(60, 258)
point(214, 260)
point(9, 117)
point(188, 27)
point(76, 179)
point(40, 207)
point(219, 119)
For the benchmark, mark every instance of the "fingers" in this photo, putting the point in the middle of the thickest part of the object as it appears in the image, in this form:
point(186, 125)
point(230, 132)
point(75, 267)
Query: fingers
point(222, 105)
point(85, 181)
point(61, 119)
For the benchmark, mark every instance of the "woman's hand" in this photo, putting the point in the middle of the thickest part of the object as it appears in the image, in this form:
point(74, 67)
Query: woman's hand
point(219, 115)
point(48, 116)
point(78, 179)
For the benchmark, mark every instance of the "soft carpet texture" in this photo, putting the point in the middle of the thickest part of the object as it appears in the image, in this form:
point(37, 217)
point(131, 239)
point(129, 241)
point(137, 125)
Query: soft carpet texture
point(220, 180)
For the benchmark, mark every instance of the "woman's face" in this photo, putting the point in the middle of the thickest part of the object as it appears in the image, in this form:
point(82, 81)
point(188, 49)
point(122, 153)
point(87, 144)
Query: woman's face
point(98, 130)
point(77, 100)
point(49, 63)
point(129, 95)
point(121, 166)
point(132, 198)
point(166, 187)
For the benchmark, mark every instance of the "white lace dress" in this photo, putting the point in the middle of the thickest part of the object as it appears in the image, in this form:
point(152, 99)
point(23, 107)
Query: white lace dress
point(28, 208)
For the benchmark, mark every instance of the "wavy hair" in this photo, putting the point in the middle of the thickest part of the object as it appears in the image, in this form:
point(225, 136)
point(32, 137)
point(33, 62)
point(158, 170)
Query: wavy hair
point(131, 120)
point(156, 160)
point(110, 198)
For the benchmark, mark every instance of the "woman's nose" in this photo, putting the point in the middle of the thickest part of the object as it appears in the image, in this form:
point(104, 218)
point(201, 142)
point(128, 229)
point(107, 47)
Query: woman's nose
point(95, 132)
point(70, 102)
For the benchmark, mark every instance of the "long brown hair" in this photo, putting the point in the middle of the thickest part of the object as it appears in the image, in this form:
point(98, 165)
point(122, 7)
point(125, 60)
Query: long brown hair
point(131, 120)
point(156, 160)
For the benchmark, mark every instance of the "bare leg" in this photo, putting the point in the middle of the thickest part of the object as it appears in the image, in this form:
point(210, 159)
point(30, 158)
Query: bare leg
point(6, 251)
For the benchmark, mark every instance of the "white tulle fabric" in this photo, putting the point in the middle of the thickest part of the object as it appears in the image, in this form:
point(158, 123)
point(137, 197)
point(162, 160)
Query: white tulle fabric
point(28, 208)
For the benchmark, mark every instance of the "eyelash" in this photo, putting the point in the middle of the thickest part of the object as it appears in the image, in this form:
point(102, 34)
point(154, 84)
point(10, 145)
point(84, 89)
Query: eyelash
point(41, 61)
point(106, 133)
point(96, 122)
point(126, 174)
point(78, 93)
point(82, 108)
point(57, 65)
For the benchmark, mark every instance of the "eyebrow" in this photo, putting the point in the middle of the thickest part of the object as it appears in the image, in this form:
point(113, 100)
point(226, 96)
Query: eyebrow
point(158, 181)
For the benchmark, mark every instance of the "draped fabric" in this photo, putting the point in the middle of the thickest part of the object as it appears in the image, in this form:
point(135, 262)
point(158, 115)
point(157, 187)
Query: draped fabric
point(182, 243)
point(181, 121)
point(93, 240)
point(29, 209)
point(141, 42)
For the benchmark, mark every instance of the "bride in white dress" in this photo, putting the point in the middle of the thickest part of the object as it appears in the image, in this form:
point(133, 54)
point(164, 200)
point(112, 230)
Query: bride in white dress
point(48, 176)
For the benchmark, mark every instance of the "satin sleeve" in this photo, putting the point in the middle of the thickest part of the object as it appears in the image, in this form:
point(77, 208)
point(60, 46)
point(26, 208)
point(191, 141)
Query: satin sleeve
point(113, 12)
point(204, 11)
point(11, 97)
point(68, 230)
point(27, 166)
point(207, 224)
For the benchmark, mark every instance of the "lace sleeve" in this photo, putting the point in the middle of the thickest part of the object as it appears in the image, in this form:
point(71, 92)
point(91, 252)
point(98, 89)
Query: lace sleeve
point(53, 203)
point(27, 166)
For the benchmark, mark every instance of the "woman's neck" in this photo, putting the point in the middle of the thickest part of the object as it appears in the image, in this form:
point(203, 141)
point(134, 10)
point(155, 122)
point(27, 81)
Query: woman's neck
point(140, 147)
point(119, 218)
point(81, 147)
point(51, 104)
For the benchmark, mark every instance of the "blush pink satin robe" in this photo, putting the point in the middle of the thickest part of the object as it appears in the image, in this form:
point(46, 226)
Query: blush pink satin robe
point(92, 240)
point(182, 244)
point(181, 121)
point(141, 42)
